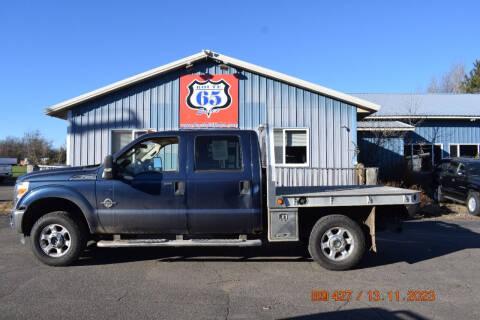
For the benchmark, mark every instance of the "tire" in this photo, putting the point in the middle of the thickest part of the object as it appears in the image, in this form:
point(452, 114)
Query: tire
point(473, 203)
point(438, 195)
point(327, 230)
point(60, 235)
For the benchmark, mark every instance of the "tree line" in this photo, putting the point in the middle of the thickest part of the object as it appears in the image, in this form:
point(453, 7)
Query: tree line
point(456, 80)
point(34, 147)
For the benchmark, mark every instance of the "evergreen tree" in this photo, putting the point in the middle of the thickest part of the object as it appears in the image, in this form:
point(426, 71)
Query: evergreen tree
point(472, 81)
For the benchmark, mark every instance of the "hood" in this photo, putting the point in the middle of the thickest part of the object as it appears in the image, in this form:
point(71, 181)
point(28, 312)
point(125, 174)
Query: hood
point(61, 174)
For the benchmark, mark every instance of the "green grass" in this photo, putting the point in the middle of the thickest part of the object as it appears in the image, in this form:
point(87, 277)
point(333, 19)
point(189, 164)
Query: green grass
point(17, 171)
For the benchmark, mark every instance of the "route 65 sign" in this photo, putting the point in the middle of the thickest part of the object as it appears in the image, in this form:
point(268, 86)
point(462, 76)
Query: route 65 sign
point(209, 101)
point(209, 96)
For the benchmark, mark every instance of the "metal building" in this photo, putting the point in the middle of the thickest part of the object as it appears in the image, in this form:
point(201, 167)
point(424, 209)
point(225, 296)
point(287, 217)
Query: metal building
point(425, 127)
point(325, 121)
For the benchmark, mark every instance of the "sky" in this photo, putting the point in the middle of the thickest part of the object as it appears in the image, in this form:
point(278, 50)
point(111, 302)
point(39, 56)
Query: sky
point(51, 51)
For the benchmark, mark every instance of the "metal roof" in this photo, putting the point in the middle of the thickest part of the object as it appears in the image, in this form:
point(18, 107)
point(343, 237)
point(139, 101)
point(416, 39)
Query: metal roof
point(59, 110)
point(433, 106)
point(383, 126)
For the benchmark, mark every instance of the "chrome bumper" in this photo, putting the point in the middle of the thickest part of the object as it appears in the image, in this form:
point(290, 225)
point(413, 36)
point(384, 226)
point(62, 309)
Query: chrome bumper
point(16, 220)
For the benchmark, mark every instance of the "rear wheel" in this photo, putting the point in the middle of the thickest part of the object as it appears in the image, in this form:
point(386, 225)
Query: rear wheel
point(337, 242)
point(57, 239)
point(473, 203)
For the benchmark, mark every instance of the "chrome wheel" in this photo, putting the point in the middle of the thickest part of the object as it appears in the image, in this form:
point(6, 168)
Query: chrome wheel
point(337, 243)
point(55, 240)
point(472, 204)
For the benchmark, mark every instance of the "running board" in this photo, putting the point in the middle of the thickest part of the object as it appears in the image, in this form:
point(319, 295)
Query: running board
point(454, 200)
point(178, 243)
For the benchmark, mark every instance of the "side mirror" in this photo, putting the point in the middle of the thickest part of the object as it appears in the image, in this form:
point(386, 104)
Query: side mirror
point(108, 168)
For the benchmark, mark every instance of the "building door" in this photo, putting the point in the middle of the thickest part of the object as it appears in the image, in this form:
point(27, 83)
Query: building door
point(147, 194)
point(221, 198)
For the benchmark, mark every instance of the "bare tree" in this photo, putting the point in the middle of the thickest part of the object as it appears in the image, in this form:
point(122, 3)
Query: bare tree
point(449, 82)
point(33, 146)
point(37, 147)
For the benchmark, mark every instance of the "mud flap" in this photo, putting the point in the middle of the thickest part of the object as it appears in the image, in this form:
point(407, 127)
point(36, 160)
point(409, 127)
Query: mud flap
point(370, 223)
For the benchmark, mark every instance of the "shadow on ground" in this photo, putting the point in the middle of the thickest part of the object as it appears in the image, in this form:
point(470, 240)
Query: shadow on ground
point(365, 313)
point(420, 240)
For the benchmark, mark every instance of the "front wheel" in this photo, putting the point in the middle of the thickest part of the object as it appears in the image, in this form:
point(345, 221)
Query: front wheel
point(336, 242)
point(57, 239)
point(473, 203)
point(438, 195)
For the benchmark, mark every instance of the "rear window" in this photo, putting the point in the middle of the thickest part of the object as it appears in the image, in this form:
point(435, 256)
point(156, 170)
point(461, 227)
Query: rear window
point(218, 153)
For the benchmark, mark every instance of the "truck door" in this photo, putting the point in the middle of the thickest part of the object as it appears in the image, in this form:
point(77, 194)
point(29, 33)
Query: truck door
point(219, 187)
point(460, 184)
point(147, 194)
point(451, 179)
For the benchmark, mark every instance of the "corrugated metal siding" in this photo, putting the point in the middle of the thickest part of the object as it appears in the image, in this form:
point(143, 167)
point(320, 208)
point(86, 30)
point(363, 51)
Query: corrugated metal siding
point(154, 104)
point(389, 153)
point(445, 132)
point(385, 153)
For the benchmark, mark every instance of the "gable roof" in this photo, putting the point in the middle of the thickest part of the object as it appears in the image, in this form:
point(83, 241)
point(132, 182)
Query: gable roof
point(424, 105)
point(60, 110)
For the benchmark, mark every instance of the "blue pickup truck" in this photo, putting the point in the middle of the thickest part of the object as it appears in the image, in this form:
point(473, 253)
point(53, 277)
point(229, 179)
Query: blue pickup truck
point(194, 188)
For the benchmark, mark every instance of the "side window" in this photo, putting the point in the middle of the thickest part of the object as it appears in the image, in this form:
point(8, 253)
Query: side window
point(155, 155)
point(218, 153)
point(291, 146)
point(452, 168)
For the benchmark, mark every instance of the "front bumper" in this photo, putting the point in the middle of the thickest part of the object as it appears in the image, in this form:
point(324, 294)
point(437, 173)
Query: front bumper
point(16, 220)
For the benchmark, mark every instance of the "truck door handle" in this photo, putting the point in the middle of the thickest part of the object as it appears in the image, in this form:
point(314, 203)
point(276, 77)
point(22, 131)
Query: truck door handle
point(244, 186)
point(179, 187)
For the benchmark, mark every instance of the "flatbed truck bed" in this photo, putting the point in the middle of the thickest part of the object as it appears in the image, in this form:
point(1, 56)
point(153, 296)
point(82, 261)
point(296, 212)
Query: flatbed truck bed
point(335, 196)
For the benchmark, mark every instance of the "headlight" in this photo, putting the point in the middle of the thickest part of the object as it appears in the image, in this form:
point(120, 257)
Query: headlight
point(21, 189)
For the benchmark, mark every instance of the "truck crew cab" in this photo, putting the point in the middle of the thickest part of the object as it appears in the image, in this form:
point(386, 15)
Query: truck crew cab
point(194, 188)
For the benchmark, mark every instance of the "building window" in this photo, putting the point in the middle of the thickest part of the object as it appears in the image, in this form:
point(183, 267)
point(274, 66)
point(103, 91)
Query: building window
point(467, 150)
point(291, 147)
point(120, 138)
point(218, 153)
point(454, 150)
point(423, 156)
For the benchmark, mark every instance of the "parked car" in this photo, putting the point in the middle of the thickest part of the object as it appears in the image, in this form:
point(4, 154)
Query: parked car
point(5, 171)
point(6, 167)
point(458, 180)
point(196, 188)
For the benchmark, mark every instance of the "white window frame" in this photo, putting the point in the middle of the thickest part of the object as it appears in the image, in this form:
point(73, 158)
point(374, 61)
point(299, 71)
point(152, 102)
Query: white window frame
point(464, 144)
point(291, 165)
point(432, 153)
point(133, 132)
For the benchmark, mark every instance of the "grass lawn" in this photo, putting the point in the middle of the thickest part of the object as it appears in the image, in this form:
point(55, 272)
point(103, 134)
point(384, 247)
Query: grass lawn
point(17, 171)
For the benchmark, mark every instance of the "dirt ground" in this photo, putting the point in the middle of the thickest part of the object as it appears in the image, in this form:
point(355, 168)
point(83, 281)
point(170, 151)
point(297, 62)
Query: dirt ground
point(445, 211)
point(5, 206)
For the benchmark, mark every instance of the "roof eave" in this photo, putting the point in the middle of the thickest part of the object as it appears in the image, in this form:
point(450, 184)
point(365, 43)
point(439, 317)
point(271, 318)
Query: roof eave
point(398, 117)
point(386, 129)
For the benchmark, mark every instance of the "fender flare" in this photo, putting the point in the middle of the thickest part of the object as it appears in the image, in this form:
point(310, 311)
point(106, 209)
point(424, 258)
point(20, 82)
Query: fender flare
point(63, 192)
